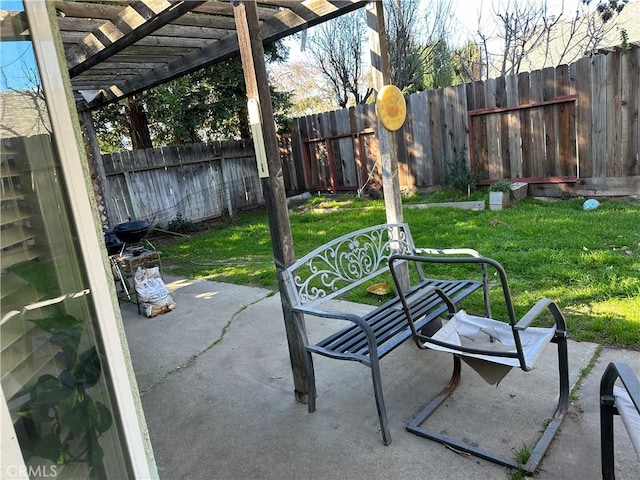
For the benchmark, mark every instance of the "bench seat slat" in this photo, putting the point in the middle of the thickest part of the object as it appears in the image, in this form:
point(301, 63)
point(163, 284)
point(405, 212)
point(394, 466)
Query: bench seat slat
point(387, 320)
point(389, 346)
point(389, 324)
point(375, 318)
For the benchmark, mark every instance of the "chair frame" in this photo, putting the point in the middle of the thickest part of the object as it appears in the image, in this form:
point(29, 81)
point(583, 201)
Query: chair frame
point(422, 341)
point(613, 372)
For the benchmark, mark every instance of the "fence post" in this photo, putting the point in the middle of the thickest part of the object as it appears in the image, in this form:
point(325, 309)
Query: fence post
point(130, 190)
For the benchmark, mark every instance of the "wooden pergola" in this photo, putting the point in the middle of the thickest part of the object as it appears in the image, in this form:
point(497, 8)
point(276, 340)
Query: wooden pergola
point(118, 48)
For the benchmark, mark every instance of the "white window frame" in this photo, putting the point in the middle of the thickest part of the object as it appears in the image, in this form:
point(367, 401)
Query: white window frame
point(66, 130)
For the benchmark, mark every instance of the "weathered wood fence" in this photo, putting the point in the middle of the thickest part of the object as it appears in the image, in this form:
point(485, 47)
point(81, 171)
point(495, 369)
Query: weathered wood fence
point(575, 124)
point(197, 181)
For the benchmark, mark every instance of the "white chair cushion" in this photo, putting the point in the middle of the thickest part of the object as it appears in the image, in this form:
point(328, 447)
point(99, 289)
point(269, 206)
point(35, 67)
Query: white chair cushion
point(630, 416)
point(475, 332)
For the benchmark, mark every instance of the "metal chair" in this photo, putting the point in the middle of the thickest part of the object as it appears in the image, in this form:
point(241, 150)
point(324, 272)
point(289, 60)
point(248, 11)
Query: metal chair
point(618, 400)
point(503, 346)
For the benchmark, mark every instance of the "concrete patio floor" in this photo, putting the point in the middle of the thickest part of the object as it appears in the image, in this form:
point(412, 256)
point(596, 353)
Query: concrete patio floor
point(217, 392)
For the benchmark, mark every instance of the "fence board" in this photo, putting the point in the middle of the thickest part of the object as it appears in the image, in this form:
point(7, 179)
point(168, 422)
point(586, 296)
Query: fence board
point(407, 151)
point(614, 117)
point(356, 120)
point(536, 94)
point(582, 74)
point(434, 101)
point(449, 110)
point(551, 163)
point(346, 148)
point(630, 106)
point(566, 137)
point(492, 132)
point(599, 116)
point(423, 160)
point(503, 129)
point(460, 125)
point(514, 127)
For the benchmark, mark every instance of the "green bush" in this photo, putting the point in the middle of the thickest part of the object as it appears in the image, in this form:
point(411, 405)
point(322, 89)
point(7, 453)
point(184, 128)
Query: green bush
point(502, 186)
point(181, 224)
point(460, 176)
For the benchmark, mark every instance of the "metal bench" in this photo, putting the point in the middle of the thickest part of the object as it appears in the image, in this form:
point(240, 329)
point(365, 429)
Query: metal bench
point(332, 270)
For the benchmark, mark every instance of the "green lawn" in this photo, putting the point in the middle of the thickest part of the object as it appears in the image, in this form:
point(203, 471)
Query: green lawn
point(587, 261)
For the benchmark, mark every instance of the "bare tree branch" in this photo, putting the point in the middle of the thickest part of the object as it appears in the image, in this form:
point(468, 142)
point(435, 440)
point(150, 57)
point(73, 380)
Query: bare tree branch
point(529, 37)
point(336, 47)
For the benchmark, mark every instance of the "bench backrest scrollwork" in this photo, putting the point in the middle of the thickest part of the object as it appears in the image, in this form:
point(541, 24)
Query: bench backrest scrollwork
point(346, 262)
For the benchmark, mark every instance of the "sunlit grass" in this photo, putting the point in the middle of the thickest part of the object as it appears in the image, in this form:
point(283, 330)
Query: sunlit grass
point(587, 261)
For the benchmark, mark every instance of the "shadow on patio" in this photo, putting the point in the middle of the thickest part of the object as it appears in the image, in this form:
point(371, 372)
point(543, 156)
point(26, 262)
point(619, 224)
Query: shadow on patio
point(217, 392)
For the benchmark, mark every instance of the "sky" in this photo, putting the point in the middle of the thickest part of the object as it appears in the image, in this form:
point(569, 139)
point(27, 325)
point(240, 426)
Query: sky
point(467, 13)
point(15, 57)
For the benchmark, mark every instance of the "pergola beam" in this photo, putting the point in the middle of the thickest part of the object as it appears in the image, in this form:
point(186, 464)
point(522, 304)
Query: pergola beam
point(13, 26)
point(132, 23)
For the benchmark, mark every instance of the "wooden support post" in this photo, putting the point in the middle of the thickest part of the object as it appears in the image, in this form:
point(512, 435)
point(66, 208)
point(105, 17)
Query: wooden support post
point(379, 47)
point(388, 143)
point(257, 82)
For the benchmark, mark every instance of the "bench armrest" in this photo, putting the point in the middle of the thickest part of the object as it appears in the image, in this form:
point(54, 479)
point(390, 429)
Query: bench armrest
point(349, 317)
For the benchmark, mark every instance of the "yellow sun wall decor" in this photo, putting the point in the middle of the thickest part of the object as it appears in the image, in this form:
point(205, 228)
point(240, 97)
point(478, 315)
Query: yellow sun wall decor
point(391, 107)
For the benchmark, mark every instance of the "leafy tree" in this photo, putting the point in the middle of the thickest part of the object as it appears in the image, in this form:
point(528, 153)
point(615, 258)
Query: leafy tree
point(441, 72)
point(467, 63)
point(309, 91)
point(179, 109)
point(607, 9)
point(112, 128)
point(336, 48)
point(419, 55)
point(209, 104)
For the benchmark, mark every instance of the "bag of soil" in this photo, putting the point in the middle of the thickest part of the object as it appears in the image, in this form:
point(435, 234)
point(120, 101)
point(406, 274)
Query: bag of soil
point(152, 292)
